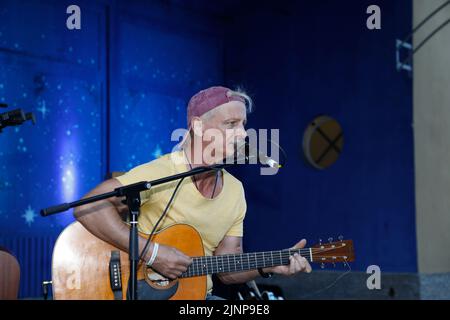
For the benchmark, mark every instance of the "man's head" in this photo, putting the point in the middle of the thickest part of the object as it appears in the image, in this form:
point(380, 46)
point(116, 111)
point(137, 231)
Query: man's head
point(216, 120)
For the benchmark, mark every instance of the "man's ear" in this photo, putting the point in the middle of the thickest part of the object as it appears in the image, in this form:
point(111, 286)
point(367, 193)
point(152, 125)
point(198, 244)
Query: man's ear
point(197, 126)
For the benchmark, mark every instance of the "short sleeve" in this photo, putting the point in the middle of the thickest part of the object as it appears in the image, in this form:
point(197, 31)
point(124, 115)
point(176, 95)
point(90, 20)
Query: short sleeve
point(145, 172)
point(237, 229)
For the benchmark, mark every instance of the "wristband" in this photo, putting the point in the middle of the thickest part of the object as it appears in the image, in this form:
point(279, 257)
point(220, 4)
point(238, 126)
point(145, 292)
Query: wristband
point(153, 256)
point(264, 274)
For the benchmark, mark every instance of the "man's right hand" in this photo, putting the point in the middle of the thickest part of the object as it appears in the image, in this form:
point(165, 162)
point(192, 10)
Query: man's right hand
point(103, 220)
point(171, 262)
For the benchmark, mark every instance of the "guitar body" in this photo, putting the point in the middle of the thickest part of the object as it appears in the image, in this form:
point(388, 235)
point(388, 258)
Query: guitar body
point(80, 267)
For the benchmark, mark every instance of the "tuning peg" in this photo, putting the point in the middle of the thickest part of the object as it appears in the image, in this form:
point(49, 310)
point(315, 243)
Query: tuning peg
point(320, 241)
point(322, 265)
point(341, 238)
point(330, 239)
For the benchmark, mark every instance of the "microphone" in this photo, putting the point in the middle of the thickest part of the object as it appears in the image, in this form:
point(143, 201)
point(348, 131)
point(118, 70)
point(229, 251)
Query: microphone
point(248, 152)
point(14, 118)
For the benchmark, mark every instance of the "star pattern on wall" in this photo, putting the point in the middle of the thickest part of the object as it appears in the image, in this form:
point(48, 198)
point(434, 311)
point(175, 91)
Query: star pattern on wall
point(29, 215)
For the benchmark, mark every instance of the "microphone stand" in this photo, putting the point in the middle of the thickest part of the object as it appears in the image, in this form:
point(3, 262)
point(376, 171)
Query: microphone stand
point(14, 118)
point(133, 200)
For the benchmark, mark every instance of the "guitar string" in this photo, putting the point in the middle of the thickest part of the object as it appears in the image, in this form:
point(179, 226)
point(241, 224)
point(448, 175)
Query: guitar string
point(212, 270)
point(209, 265)
point(259, 256)
point(304, 252)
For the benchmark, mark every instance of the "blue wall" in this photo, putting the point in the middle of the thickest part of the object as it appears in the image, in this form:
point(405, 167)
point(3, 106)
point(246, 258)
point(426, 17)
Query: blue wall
point(319, 58)
point(100, 95)
point(154, 72)
point(59, 75)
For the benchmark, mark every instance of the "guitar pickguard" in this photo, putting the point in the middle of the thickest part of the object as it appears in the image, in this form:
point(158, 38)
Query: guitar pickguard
point(147, 292)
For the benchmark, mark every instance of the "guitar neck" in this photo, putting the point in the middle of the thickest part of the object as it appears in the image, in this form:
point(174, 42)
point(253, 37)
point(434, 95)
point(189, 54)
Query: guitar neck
point(242, 262)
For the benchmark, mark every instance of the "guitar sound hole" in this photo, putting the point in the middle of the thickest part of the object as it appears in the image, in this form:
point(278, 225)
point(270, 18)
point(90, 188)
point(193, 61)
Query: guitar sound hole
point(157, 279)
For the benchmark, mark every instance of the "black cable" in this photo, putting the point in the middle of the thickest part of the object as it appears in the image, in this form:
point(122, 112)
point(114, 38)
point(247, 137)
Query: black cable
point(408, 59)
point(215, 183)
point(425, 20)
point(430, 35)
point(425, 41)
point(145, 249)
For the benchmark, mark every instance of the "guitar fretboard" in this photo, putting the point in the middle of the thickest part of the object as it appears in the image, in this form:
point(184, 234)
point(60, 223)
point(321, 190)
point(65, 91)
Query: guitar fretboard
point(241, 262)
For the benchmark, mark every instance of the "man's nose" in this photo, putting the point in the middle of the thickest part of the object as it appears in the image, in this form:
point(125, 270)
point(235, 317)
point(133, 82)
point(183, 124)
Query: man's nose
point(241, 133)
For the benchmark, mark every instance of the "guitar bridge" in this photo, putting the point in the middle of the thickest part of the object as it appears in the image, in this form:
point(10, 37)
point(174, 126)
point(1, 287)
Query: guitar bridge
point(115, 274)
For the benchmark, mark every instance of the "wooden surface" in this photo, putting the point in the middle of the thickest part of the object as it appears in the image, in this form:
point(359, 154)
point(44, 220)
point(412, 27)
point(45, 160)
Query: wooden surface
point(80, 266)
point(9, 276)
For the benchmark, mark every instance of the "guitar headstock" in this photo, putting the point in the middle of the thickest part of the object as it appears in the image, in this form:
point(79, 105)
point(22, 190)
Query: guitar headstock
point(332, 252)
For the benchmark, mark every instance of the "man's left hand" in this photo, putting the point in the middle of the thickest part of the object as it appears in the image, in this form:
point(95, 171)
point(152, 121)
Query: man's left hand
point(296, 264)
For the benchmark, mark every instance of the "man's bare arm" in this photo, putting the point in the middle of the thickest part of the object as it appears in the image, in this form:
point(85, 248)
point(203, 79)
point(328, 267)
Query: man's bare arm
point(103, 219)
point(233, 245)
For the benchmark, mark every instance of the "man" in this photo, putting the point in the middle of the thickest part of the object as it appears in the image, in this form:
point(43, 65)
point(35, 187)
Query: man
point(214, 203)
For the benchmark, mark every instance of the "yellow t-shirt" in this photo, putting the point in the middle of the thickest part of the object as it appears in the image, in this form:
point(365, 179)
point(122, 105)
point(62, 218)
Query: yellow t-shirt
point(213, 218)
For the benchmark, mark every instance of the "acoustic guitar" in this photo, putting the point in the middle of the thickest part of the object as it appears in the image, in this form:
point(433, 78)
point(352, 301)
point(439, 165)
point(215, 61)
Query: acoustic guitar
point(85, 267)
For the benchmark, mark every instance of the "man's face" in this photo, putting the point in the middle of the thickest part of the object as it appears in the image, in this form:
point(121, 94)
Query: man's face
point(223, 128)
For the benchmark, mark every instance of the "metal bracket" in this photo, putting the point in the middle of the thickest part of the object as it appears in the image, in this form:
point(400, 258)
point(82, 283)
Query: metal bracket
point(399, 45)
